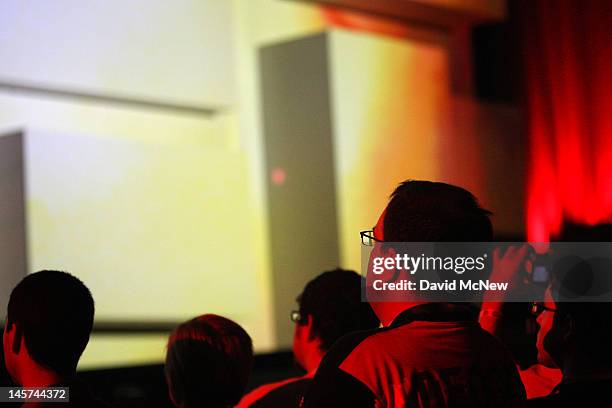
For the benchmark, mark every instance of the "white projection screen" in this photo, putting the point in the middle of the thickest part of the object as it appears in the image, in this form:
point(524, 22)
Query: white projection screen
point(160, 232)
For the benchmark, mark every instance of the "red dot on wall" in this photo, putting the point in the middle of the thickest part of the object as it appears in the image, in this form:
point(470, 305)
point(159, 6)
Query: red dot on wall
point(278, 176)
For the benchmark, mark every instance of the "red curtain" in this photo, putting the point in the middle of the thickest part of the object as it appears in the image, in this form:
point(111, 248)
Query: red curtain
point(568, 59)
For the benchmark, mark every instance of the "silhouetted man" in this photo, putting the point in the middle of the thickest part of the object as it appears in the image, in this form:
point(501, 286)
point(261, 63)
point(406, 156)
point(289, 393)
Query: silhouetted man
point(577, 338)
point(428, 354)
point(49, 320)
point(329, 307)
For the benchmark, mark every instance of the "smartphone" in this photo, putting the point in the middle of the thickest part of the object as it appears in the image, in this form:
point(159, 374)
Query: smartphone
point(541, 269)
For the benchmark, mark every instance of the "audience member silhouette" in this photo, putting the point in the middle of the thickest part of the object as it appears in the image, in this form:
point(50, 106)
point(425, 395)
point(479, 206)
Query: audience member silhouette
point(428, 354)
point(329, 307)
point(49, 320)
point(208, 362)
point(512, 322)
point(577, 336)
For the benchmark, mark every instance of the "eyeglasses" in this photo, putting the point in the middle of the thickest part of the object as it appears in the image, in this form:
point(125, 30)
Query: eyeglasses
point(367, 237)
point(538, 307)
point(295, 316)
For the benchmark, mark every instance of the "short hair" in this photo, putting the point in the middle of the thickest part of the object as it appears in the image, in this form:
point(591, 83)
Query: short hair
point(426, 211)
point(333, 299)
point(208, 362)
point(53, 311)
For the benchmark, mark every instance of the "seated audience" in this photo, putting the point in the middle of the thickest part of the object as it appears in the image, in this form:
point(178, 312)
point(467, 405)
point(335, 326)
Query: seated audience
point(576, 337)
point(504, 319)
point(208, 362)
point(428, 354)
point(49, 320)
point(329, 307)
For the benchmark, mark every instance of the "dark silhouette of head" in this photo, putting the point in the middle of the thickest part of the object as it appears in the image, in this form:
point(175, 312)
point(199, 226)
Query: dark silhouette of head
point(330, 307)
point(50, 313)
point(208, 362)
point(426, 211)
point(578, 332)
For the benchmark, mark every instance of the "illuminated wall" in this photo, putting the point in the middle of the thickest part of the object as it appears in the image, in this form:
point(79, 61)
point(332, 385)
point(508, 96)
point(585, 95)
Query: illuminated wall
point(178, 51)
point(395, 118)
point(389, 115)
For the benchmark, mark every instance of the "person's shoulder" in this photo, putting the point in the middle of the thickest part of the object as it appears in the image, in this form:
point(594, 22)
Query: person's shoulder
point(333, 386)
point(263, 390)
point(539, 381)
point(482, 339)
point(288, 395)
point(348, 344)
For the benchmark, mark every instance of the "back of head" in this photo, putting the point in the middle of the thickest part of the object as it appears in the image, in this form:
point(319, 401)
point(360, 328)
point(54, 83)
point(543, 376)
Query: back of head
point(333, 299)
point(590, 321)
point(53, 312)
point(208, 362)
point(425, 211)
point(574, 277)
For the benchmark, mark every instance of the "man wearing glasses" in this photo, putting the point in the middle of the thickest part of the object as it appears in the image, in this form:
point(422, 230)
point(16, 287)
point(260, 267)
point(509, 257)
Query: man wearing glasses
point(577, 338)
point(427, 354)
point(329, 307)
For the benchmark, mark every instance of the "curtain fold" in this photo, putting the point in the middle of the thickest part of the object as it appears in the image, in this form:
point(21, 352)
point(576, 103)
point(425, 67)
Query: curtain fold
point(568, 61)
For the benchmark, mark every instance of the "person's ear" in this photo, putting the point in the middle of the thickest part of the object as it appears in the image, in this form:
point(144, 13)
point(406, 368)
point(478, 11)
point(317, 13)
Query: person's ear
point(17, 337)
point(392, 275)
point(13, 336)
